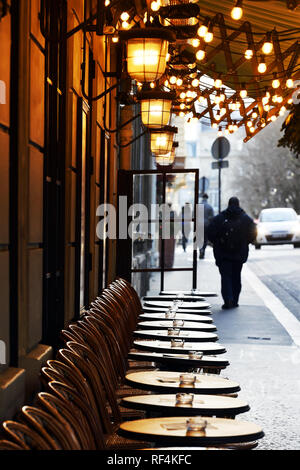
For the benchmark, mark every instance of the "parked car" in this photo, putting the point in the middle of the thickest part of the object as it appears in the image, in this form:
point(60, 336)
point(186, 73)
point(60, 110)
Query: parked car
point(278, 226)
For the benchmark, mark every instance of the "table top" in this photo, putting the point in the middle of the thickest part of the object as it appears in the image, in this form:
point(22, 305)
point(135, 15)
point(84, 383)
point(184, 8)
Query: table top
point(208, 405)
point(170, 298)
point(179, 311)
point(165, 346)
point(179, 316)
point(197, 336)
point(173, 431)
point(183, 306)
point(189, 292)
point(178, 360)
point(168, 382)
point(188, 325)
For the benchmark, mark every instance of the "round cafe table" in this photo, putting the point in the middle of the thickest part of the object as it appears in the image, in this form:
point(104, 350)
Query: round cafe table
point(189, 292)
point(179, 311)
point(188, 325)
point(172, 431)
point(179, 361)
point(197, 336)
point(179, 316)
point(169, 382)
point(165, 346)
point(170, 298)
point(206, 405)
point(182, 306)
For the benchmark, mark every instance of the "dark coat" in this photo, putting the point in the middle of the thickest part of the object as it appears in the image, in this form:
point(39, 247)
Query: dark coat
point(247, 234)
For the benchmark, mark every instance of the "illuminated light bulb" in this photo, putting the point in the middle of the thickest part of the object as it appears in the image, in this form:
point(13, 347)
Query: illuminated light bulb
point(220, 132)
point(267, 107)
point(262, 66)
point(192, 66)
point(289, 83)
point(218, 83)
point(237, 11)
point(195, 42)
point(279, 99)
point(252, 129)
point(189, 94)
point(209, 36)
point(181, 114)
point(275, 98)
point(173, 80)
point(263, 124)
point(201, 99)
point(166, 83)
point(125, 25)
point(275, 82)
point(152, 85)
point(182, 95)
point(115, 39)
point(282, 110)
point(254, 115)
point(267, 47)
point(168, 57)
point(248, 54)
point(155, 5)
point(203, 30)
point(273, 118)
point(222, 96)
point(200, 54)
point(265, 100)
point(195, 82)
point(230, 127)
point(217, 99)
point(243, 92)
point(179, 81)
point(182, 106)
point(107, 2)
point(249, 123)
point(218, 117)
point(124, 16)
point(290, 101)
point(214, 125)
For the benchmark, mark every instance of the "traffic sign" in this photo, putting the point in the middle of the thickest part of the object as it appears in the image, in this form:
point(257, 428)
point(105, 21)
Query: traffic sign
point(220, 164)
point(220, 148)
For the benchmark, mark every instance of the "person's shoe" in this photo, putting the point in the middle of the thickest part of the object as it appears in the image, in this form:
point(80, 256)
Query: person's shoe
point(235, 305)
point(201, 256)
point(227, 305)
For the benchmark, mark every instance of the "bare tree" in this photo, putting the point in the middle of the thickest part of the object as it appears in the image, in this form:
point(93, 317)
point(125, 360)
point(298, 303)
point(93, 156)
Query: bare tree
point(265, 175)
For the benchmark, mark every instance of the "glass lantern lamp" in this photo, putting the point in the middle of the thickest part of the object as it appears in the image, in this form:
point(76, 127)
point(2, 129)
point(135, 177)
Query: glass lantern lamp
point(156, 106)
point(161, 140)
point(147, 50)
point(168, 159)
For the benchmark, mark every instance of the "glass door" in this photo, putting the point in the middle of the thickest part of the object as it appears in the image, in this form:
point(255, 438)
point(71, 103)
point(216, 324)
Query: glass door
point(156, 228)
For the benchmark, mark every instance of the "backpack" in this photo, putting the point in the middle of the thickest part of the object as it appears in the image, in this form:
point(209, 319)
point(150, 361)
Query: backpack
point(230, 235)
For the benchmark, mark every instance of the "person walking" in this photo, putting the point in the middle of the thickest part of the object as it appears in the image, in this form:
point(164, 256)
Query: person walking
point(231, 232)
point(208, 215)
point(186, 223)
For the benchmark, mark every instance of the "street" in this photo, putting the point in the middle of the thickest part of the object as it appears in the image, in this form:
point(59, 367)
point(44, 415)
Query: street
point(262, 336)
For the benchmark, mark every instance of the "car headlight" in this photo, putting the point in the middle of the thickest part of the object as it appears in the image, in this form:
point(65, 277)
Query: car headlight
point(261, 231)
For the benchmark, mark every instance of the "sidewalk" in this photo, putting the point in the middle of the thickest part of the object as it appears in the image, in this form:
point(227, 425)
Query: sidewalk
point(263, 357)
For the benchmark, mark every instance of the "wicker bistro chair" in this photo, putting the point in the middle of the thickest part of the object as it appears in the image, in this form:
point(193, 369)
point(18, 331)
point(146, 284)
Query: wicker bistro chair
point(104, 441)
point(9, 445)
point(25, 437)
point(60, 436)
point(71, 422)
